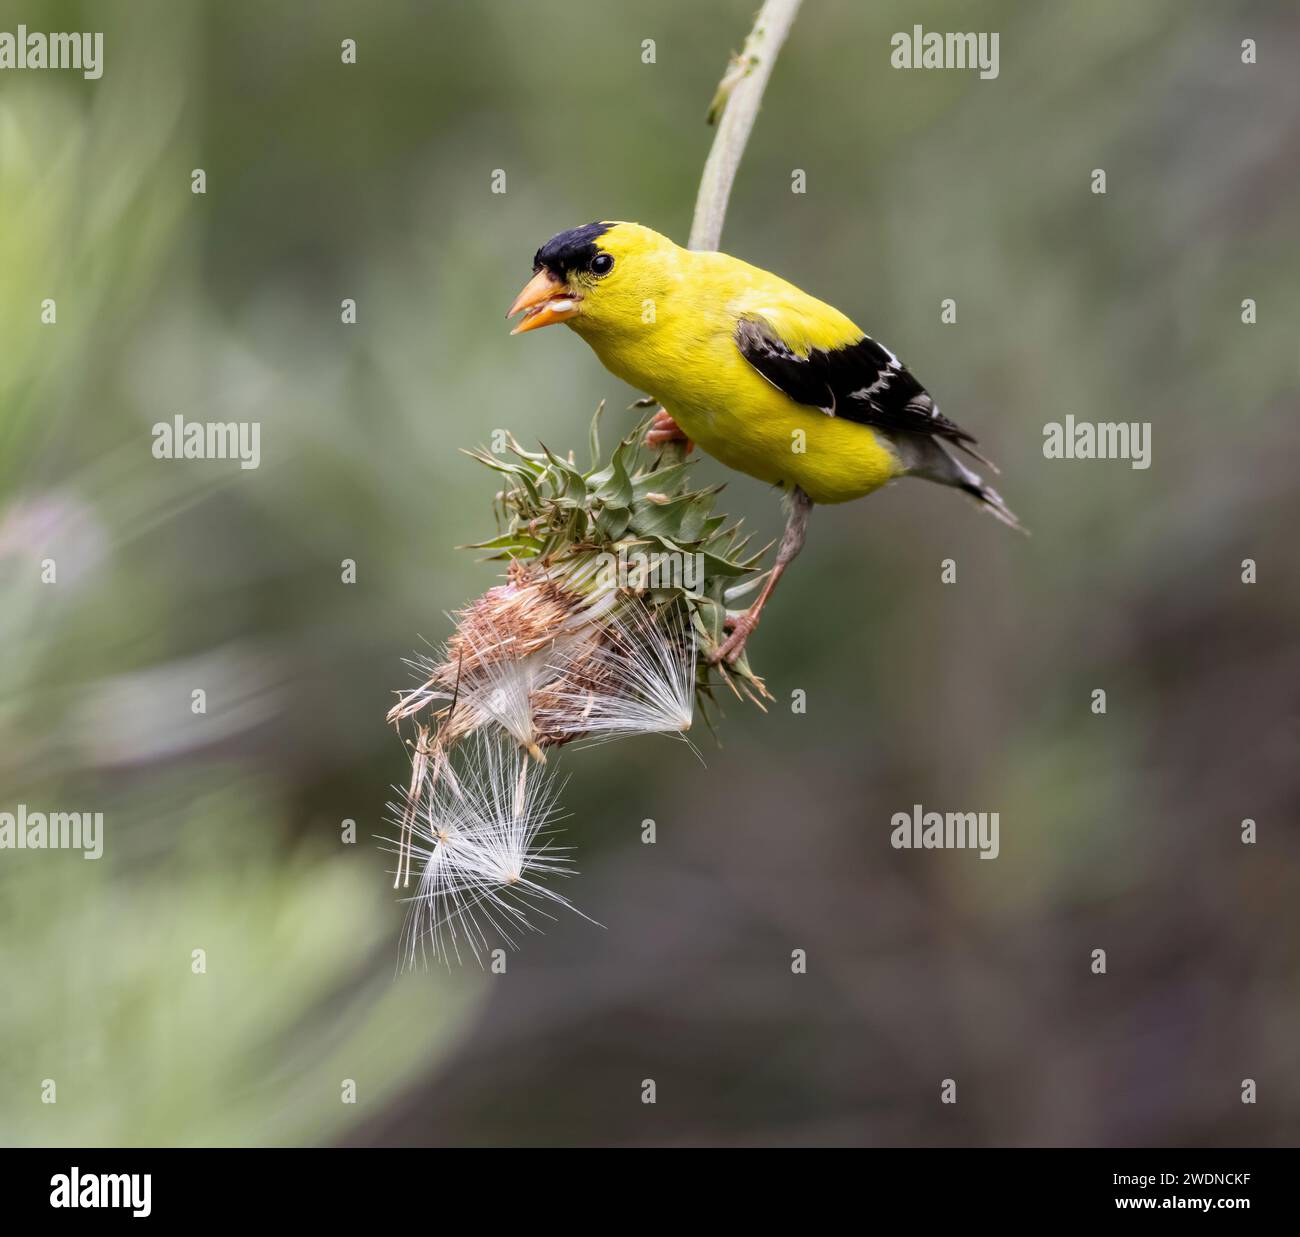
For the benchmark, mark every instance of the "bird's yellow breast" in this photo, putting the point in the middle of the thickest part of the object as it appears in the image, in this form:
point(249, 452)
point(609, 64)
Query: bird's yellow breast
point(685, 355)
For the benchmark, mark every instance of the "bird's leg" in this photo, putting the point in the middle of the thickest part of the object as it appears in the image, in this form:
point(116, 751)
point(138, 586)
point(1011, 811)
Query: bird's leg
point(664, 429)
point(796, 530)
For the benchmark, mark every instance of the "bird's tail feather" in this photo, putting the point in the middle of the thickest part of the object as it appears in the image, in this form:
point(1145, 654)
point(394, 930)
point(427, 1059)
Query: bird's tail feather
point(987, 498)
point(932, 459)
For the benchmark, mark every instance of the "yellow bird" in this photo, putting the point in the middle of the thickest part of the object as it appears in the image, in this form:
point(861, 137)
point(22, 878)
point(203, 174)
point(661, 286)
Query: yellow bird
point(766, 378)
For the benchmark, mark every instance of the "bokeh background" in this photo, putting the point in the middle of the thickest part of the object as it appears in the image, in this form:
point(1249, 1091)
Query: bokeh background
point(373, 181)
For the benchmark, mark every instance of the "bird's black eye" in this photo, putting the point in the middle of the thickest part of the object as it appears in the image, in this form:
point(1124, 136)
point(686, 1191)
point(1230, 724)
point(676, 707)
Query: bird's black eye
point(601, 264)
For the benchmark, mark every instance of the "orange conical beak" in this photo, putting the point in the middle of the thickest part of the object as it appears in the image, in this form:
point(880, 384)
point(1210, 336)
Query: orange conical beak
point(546, 300)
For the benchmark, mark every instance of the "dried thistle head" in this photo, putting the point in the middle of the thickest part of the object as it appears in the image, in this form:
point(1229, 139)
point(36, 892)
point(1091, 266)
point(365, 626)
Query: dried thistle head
point(578, 545)
point(530, 609)
point(508, 645)
point(548, 666)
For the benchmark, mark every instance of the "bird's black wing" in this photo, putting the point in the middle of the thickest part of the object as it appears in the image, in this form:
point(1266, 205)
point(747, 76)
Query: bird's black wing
point(862, 381)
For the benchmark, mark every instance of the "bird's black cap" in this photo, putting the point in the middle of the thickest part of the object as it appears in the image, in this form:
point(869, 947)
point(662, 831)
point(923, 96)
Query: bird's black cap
point(571, 250)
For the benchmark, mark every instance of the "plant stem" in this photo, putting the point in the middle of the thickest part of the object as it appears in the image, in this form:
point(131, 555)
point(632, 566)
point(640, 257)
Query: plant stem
point(734, 107)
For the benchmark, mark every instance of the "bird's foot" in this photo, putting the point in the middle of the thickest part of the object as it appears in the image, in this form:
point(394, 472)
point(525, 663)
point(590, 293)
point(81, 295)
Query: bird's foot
point(664, 429)
point(741, 626)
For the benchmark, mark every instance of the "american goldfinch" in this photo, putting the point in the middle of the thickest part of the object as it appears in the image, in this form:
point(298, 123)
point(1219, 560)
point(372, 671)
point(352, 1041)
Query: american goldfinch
point(766, 378)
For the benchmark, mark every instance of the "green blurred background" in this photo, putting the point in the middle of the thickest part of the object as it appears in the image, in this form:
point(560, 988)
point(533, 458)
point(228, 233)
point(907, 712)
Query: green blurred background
point(373, 181)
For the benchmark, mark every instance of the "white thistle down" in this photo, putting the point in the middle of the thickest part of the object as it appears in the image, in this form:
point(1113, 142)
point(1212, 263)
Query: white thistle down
point(638, 678)
point(481, 841)
point(497, 690)
point(503, 654)
point(503, 690)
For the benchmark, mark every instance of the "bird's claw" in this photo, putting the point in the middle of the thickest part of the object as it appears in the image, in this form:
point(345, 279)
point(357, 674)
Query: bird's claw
point(732, 649)
point(657, 438)
point(664, 429)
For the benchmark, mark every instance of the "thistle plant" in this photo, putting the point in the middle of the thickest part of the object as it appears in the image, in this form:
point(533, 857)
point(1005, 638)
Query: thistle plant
point(616, 590)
